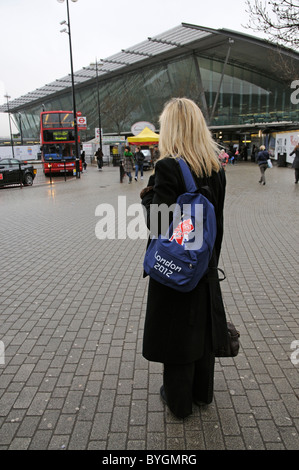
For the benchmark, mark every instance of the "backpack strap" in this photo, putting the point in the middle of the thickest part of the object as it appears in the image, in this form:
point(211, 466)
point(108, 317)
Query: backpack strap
point(187, 175)
point(190, 184)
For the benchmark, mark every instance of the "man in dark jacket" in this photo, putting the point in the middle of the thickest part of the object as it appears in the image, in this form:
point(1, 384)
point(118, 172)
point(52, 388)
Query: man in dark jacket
point(99, 157)
point(296, 162)
point(139, 159)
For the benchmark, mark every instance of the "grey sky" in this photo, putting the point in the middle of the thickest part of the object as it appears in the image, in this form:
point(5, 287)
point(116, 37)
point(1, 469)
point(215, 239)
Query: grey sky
point(34, 52)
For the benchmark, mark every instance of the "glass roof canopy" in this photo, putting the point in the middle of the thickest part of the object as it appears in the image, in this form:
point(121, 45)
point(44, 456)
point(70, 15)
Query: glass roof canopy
point(179, 36)
point(247, 51)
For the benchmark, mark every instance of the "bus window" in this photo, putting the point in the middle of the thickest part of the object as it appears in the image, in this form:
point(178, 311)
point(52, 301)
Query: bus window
point(67, 120)
point(66, 150)
point(58, 120)
point(50, 120)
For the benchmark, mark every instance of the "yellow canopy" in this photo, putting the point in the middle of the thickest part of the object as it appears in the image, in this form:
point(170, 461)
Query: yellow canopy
point(145, 137)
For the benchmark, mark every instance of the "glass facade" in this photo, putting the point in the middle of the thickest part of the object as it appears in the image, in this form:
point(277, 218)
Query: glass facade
point(244, 96)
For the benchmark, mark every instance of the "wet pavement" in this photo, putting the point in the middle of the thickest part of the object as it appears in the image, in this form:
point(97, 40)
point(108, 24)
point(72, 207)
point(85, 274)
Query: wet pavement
point(72, 311)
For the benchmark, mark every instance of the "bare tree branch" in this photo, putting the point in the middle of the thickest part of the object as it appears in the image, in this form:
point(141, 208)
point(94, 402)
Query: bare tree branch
point(278, 19)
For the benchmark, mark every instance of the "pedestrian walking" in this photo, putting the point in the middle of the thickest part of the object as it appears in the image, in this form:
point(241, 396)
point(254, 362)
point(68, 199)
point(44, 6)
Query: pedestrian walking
point(262, 160)
point(139, 159)
point(253, 153)
point(99, 157)
point(128, 163)
point(84, 164)
point(121, 170)
point(183, 331)
point(223, 158)
point(295, 164)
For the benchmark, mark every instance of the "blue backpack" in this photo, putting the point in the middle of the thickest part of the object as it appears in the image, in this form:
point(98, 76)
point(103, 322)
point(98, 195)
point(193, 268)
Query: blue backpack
point(180, 258)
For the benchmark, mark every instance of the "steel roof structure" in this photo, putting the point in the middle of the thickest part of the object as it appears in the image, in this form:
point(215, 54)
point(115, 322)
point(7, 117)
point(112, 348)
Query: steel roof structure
point(246, 50)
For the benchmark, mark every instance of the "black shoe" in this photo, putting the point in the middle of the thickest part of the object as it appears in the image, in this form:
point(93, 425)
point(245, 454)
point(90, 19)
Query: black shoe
point(163, 396)
point(264, 183)
point(201, 403)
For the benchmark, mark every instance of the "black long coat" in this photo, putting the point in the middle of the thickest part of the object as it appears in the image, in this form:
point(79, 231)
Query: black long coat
point(176, 322)
point(295, 164)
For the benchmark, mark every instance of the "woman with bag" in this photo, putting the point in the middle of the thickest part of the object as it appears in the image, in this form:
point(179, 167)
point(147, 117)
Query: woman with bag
point(262, 159)
point(186, 330)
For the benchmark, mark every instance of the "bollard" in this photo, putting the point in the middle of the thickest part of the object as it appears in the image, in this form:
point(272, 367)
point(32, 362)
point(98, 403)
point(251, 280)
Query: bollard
point(20, 175)
point(64, 170)
point(50, 168)
point(77, 168)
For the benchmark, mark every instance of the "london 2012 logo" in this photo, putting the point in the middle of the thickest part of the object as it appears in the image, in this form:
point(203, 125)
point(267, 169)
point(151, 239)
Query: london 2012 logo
point(182, 231)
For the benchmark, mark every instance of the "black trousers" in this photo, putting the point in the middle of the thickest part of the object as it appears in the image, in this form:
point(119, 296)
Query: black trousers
point(188, 383)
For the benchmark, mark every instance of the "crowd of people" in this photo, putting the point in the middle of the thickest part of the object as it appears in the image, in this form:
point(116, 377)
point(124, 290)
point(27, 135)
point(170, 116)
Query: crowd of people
point(260, 155)
point(232, 154)
point(135, 161)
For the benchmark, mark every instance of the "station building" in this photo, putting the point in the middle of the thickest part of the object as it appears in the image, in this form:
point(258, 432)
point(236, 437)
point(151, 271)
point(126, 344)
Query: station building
point(246, 87)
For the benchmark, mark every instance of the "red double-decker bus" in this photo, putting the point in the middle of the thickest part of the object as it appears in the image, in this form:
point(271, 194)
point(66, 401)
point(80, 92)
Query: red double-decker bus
point(57, 138)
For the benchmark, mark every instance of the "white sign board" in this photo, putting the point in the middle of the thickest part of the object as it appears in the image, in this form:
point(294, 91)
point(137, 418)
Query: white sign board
point(97, 133)
point(82, 122)
point(285, 143)
point(88, 149)
point(113, 139)
point(25, 152)
point(139, 126)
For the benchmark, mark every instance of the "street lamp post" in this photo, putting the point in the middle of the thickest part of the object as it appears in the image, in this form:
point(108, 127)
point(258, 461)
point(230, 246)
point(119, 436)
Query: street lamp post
point(99, 105)
point(21, 130)
point(11, 137)
point(73, 83)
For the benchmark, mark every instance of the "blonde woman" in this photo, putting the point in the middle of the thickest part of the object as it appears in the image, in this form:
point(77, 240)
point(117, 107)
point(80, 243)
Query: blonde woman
point(184, 331)
point(262, 160)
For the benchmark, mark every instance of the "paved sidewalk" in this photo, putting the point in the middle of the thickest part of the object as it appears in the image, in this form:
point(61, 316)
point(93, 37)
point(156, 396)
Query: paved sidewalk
point(72, 311)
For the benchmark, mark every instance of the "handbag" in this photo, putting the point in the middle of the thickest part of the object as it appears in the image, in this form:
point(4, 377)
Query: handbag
point(269, 163)
point(233, 343)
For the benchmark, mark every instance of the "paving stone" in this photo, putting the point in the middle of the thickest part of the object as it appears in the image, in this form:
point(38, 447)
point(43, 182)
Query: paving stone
point(72, 316)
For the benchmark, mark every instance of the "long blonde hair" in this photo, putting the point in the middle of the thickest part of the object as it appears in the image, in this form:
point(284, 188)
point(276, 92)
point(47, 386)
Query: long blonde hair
point(183, 132)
